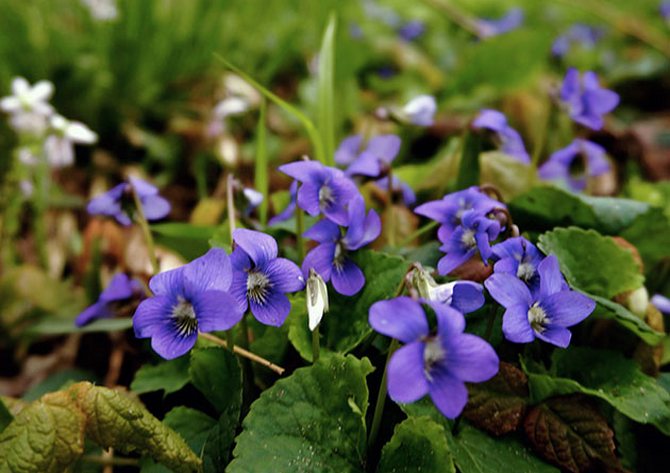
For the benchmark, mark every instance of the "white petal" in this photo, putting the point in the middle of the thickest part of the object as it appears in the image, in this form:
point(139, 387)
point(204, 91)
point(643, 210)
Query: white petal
point(41, 91)
point(231, 106)
point(20, 86)
point(10, 104)
point(317, 298)
point(80, 133)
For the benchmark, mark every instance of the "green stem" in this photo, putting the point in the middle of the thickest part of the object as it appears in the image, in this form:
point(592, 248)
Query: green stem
point(390, 233)
point(230, 340)
point(381, 398)
point(316, 344)
point(457, 16)
point(425, 229)
point(146, 231)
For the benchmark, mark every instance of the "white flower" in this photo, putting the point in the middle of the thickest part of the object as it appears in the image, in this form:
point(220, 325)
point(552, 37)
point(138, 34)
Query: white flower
point(420, 110)
point(59, 146)
point(28, 105)
point(317, 299)
point(254, 197)
point(103, 10)
point(429, 289)
point(231, 106)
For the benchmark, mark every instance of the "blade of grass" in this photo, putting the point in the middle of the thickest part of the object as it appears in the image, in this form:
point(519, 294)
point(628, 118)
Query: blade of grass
point(311, 130)
point(261, 172)
point(326, 90)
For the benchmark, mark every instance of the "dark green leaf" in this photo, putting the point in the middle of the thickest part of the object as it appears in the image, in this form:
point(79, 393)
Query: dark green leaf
point(418, 444)
point(57, 381)
point(592, 262)
point(6, 417)
point(194, 426)
point(649, 233)
point(611, 310)
point(169, 376)
point(468, 167)
point(216, 372)
point(186, 239)
point(314, 420)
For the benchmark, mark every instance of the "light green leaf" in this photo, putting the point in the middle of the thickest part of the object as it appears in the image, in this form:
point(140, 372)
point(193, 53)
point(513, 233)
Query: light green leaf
point(186, 239)
point(261, 170)
point(592, 262)
point(326, 91)
point(607, 375)
point(298, 330)
point(418, 444)
point(510, 176)
point(305, 423)
point(168, 376)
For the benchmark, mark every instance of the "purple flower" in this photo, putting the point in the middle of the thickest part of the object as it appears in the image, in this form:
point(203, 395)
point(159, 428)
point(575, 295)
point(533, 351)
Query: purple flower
point(519, 257)
point(190, 299)
point(118, 202)
point(449, 210)
point(408, 195)
point(438, 364)
point(661, 302)
point(508, 138)
point(584, 35)
point(474, 234)
point(120, 288)
point(544, 314)
point(324, 189)
point(510, 21)
point(412, 30)
point(260, 279)
point(464, 296)
point(288, 212)
point(373, 161)
point(331, 257)
point(664, 9)
point(585, 100)
point(575, 163)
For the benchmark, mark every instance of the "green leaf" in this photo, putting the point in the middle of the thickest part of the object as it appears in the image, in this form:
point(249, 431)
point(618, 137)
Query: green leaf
point(298, 328)
point(468, 166)
point(216, 372)
point(611, 310)
point(326, 90)
point(510, 176)
point(168, 376)
point(649, 233)
point(6, 417)
point(186, 239)
point(114, 419)
point(571, 433)
point(261, 180)
point(499, 404)
point(418, 444)
point(314, 420)
point(607, 375)
point(592, 262)
point(194, 426)
point(45, 437)
point(54, 326)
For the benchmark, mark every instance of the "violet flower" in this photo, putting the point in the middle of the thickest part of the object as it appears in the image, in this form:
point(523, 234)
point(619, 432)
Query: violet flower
point(190, 299)
point(331, 257)
point(575, 164)
point(519, 257)
point(260, 279)
point(289, 211)
point(585, 100)
point(373, 161)
point(412, 30)
point(118, 202)
point(324, 189)
point(464, 296)
point(438, 364)
point(408, 195)
point(508, 139)
point(512, 20)
point(120, 288)
point(664, 10)
point(661, 302)
point(583, 35)
point(544, 314)
point(474, 234)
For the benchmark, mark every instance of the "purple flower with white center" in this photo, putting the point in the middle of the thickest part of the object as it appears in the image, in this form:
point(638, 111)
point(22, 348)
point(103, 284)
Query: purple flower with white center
point(411, 30)
point(464, 296)
point(474, 234)
point(408, 195)
point(324, 189)
point(512, 20)
point(585, 100)
point(438, 364)
point(373, 161)
point(420, 110)
point(331, 257)
point(260, 279)
point(544, 314)
point(190, 299)
point(519, 257)
point(575, 164)
point(289, 211)
point(449, 210)
point(118, 202)
point(508, 139)
point(661, 302)
point(120, 288)
point(584, 35)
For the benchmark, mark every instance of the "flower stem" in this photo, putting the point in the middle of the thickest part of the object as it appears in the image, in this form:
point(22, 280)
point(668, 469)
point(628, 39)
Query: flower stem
point(299, 230)
point(316, 344)
point(390, 233)
point(246, 354)
point(230, 340)
point(381, 399)
point(425, 229)
point(144, 225)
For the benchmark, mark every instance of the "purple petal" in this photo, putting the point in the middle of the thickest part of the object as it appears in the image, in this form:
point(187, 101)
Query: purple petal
point(453, 260)
point(367, 164)
point(555, 335)
point(661, 302)
point(467, 297)
point(308, 198)
point(401, 318)
point(347, 279)
point(567, 308)
point(406, 379)
point(274, 311)
point(155, 207)
point(491, 120)
point(384, 147)
point(471, 359)
point(570, 87)
point(448, 394)
point(169, 344)
point(284, 275)
point(99, 310)
point(216, 310)
point(450, 322)
point(168, 283)
point(238, 289)
point(323, 231)
point(597, 163)
point(108, 203)
point(508, 290)
point(343, 191)
point(288, 212)
point(212, 271)
point(321, 260)
point(119, 288)
point(348, 150)
point(551, 278)
point(438, 210)
point(304, 171)
point(151, 315)
point(142, 187)
point(260, 247)
point(516, 326)
point(239, 260)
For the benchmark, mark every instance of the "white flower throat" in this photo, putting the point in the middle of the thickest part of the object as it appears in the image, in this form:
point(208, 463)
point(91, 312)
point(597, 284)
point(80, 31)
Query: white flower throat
point(184, 317)
point(433, 353)
point(538, 318)
point(326, 197)
point(468, 238)
point(258, 286)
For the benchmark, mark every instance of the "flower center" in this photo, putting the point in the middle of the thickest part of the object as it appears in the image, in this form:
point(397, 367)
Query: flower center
point(338, 257)
point(258, 287)
point(184, 318)
point(433, 353)
point(537, 317)
point(326, 197)
point(525, 271)
point(468, 239)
